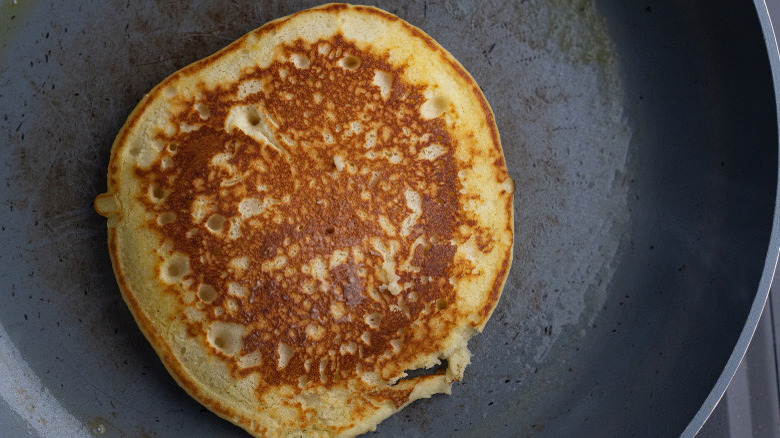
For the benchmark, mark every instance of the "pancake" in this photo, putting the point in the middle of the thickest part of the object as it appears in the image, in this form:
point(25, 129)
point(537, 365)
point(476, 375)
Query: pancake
point(301, 219)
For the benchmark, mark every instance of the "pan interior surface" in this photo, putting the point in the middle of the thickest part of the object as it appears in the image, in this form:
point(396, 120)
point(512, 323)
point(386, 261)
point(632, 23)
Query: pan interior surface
point(642, 140)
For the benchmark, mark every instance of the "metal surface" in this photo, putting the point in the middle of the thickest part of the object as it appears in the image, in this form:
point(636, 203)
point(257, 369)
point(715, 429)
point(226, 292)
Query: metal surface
point(751, 405)
point(643, 141)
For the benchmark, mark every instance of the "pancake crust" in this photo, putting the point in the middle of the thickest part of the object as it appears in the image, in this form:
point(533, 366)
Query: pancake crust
point(298, 220)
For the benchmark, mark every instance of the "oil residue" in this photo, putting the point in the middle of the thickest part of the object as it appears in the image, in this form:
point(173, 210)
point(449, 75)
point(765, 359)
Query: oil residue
point(13, 16)
point(580, 31)
point(97, 426)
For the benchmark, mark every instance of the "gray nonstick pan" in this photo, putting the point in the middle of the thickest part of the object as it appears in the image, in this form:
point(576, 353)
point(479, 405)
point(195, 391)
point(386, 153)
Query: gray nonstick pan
point(642, 138)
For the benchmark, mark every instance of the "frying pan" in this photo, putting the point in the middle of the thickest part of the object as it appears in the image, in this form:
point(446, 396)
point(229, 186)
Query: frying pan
point(642, 138)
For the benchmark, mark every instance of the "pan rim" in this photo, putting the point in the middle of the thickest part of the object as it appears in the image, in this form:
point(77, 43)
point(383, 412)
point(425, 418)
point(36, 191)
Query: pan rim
point(773, 251)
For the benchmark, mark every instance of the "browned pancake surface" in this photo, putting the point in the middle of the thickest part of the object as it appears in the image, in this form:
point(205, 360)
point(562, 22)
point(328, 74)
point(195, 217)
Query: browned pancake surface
point(295, 229)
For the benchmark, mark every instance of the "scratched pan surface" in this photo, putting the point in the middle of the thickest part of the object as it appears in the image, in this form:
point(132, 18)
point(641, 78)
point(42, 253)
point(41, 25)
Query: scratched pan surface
point(643, 141)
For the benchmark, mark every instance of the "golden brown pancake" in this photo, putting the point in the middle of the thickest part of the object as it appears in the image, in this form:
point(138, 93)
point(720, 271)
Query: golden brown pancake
point(302, 218)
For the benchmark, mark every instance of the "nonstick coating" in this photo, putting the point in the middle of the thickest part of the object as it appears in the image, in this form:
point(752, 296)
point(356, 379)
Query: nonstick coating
point(642, 138)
